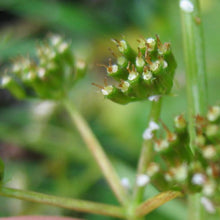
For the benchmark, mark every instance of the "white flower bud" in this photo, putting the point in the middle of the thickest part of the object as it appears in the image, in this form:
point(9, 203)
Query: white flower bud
point(187, 6)
point(142, 180)
point(125, 183)
point(153, 125)
point(107, 90)
point(133, 75)
point(213, 113)
point(198, 179)
point(148, 134)
point(154, 98)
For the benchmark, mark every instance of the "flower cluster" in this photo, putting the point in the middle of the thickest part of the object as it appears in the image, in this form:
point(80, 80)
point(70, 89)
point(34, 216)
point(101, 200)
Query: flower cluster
point(177, 168)
point(143, 74)
point(50, 76)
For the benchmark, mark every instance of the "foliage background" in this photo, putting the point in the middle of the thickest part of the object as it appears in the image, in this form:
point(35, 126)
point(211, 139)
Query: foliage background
point(43, 152)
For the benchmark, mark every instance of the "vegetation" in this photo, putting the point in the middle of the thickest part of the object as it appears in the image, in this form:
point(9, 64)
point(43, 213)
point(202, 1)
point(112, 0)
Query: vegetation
point(51, 156)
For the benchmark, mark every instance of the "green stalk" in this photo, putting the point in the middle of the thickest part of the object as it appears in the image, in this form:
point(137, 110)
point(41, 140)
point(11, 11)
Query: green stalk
point(155, 202)
point(195, 66)
point(146, 153)
point(196, 82)
point(195, 209)
point(98, 153)
point(67, 203)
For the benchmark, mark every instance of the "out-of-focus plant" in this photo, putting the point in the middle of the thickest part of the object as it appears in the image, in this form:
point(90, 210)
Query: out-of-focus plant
point(183, 163)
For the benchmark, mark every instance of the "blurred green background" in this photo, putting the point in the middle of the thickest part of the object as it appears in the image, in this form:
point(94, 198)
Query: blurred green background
point(41, 149)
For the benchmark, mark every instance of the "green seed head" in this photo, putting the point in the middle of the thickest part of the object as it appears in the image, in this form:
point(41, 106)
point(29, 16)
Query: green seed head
point(50, 76)
point(149, 74)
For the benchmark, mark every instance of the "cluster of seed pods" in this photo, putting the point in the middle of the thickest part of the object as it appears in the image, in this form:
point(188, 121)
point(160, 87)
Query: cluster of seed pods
point(50, 76)
point(177, 168)
point(140, 74)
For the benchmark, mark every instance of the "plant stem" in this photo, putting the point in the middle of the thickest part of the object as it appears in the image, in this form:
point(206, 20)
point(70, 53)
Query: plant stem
point(98, 153)
point(196, 82)
point(195, 210)
point(146, 153)
point(73, 204)
point(195, 66)
point(155, 202)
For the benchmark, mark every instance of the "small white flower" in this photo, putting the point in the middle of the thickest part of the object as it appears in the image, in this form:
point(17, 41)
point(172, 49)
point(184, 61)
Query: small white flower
point(154, 98)
point(209, 188)
point(125, 183)
point(187, 6)
point(140, 62)
point(181, 172)
point(152, 169)
point(142, 180)
point(132, 75)
point(122, 46)
point(147, 75)
point(112, 69)
point(121, 60)
point(56, 39)
point(161, 145)
point(213, 113)
point(41, 72)
point(165, 64)
point(208, 205)
point(198, 179)
point(125, 86)
point(62, 47)
point(153, 125)
point(209, 152)
point(148, 134)
point(107, 90)
point(155, 66)
point(151, 42)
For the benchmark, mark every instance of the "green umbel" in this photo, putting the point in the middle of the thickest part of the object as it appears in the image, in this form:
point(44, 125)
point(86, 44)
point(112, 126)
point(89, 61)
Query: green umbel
point(50, 76)
point(140, 74)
